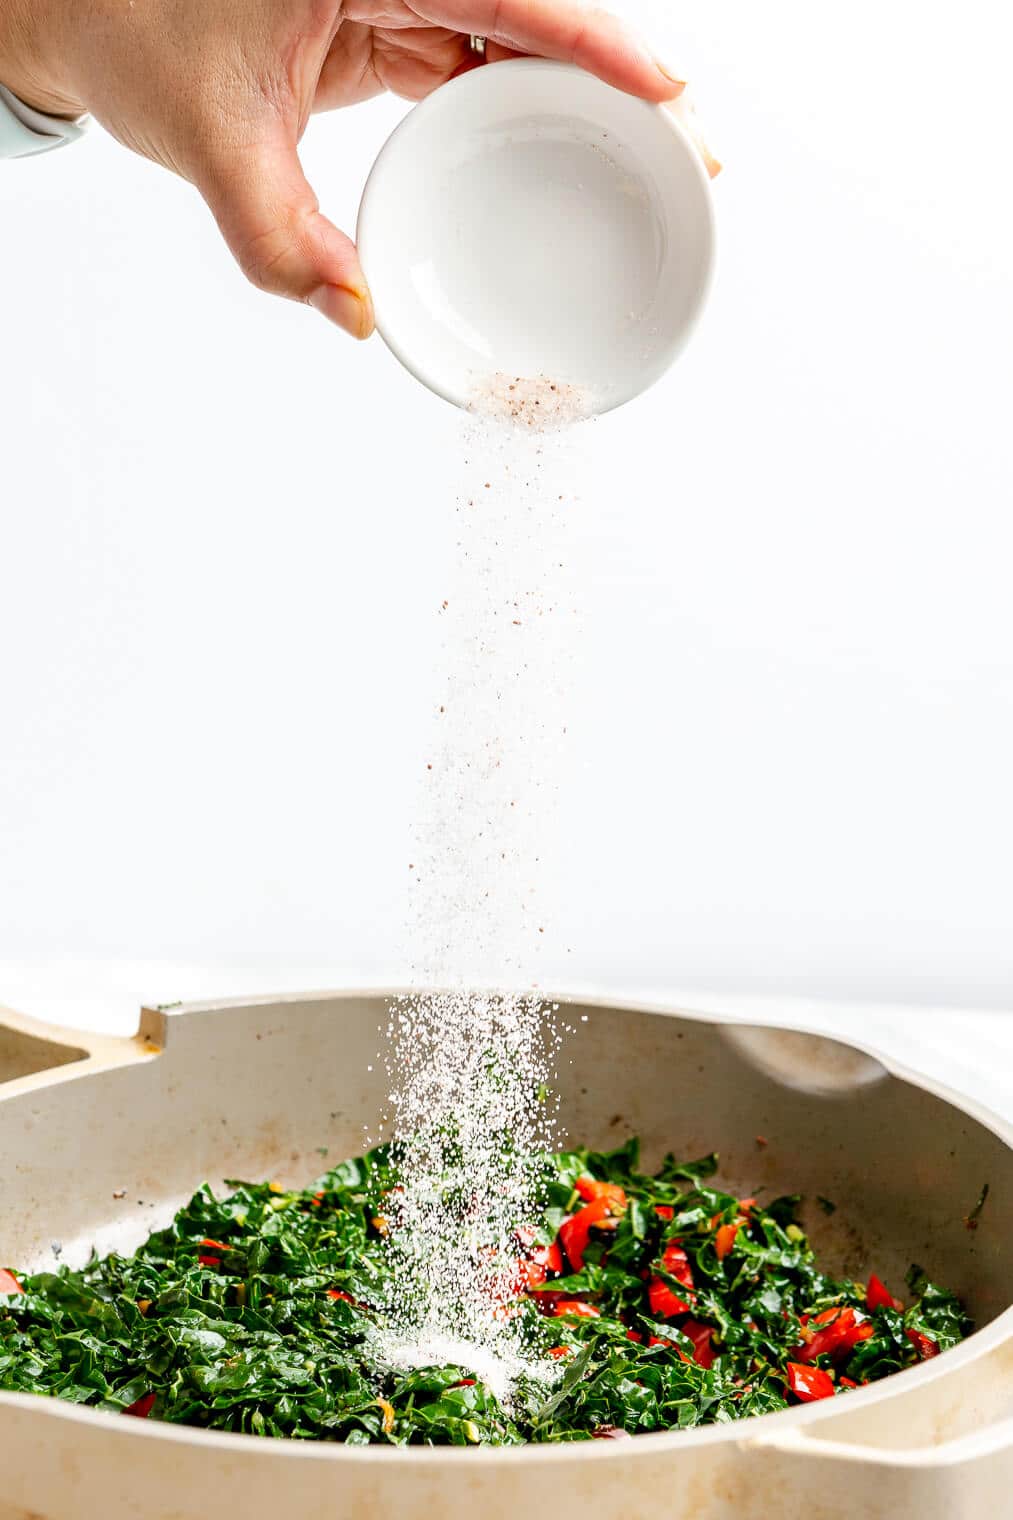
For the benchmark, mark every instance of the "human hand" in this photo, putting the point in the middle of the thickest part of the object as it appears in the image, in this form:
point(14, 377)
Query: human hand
point(220, 92)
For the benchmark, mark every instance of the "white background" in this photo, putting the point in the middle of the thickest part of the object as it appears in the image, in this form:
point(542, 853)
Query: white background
point(791, 736)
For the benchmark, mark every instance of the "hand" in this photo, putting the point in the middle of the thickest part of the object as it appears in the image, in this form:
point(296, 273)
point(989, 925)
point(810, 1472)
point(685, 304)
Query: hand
point(220, 91)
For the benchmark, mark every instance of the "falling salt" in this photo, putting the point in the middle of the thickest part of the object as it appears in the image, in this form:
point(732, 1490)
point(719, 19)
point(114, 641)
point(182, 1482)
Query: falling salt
point(472, 1051)
point(497, 1369)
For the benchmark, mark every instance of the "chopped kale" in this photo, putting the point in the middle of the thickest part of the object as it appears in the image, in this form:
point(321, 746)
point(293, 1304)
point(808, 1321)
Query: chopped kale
point(665, 1303)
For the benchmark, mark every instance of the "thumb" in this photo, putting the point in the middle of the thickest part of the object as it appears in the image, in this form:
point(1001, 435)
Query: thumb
point(271, 220)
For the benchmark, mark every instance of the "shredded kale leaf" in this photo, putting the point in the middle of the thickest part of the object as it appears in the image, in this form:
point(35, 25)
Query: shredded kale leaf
point(674, 1304)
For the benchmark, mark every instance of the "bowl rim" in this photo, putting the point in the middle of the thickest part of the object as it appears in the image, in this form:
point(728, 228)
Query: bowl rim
point(418, 116)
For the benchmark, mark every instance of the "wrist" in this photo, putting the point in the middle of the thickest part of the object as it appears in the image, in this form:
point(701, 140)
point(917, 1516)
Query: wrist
point(28, 50)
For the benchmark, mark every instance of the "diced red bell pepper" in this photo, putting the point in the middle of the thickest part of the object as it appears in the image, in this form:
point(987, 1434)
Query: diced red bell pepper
point(724, 1240)
point(664, 1302)
point(676, 1263)
point(659, 1340)
point(746, 1207)
point(664, 1211)
point(701, 1335)
point(878, 1296)
point(539, 1263)
point(9, 1283)
point(215, 1245)
point(209, 1261)
point(576, 1307)
point(925, 1346)
point(847, 1382)
point(464, 1383)
point(546, 1299)
point(591, 1191)
point(551, 1255)
point(532, 1275)
point(840, 1332)
point(634, 1335)
point(558, 1352)
point(142, 1407)
point(575, 1233)
point(340, 1296)
point(809, 1383)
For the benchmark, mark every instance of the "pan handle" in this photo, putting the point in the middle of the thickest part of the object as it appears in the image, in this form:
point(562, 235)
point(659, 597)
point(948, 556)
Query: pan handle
point(31, 1051)
point(956, 1480)
point(888, 1454)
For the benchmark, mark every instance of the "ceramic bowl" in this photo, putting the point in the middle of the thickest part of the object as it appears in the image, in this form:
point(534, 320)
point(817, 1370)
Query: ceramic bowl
point(528, 221)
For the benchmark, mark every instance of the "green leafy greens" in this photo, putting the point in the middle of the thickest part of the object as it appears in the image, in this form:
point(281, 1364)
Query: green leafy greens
point(676, 1304)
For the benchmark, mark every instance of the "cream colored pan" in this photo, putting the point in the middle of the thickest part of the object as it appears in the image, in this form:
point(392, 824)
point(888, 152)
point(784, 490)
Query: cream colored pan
point(254, 1088)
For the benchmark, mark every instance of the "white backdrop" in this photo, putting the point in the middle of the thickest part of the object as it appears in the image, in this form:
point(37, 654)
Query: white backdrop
point(224, 531)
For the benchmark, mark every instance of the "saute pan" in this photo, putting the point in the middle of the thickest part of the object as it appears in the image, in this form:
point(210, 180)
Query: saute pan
point(102, 1139)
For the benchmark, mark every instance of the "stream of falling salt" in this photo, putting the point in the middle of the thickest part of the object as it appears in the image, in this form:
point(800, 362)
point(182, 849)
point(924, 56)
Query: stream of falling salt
point(472, 1050)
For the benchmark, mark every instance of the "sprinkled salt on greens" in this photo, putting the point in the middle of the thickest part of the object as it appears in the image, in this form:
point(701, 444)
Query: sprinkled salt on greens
point(661, 1301)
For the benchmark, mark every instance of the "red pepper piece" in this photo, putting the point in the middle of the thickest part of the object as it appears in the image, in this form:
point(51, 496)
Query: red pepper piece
point(847, 1382)
point(664, 1211)
point(701, 1335)
point(559, 1352)
point(551, 1256)
point(316, 1200)
point(464, 1383)
point(664, 1302)
point(577, 1307)
point(676, 1262)
point(540, 1262)
point(809, 1383)
point(546, 1299)
point(725, 1239)
point(659, 1340)
point(9, 1283)
point(142, 1407)
point(839, 1333)
point(878, 1296)
point(591, 1191)
point(634, 1335)
point(209, 1261)
point(215, 1245)
point(925, 1346)
point(532, 1276)
point(338, 1295)
point(746, 1207)
point(575, 1232)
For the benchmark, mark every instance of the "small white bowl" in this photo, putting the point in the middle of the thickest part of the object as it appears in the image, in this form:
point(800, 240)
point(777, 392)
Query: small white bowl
point(527, 220)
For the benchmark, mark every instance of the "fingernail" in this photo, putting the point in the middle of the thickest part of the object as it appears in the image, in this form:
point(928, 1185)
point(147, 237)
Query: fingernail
point(671, 76)
point(351, 310)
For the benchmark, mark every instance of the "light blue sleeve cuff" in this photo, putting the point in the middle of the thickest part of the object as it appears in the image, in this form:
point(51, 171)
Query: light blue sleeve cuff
point(24, 131)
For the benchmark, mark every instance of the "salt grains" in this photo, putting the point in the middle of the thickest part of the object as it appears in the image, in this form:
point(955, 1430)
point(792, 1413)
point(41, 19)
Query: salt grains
point(530, 402)
point(471, 1070)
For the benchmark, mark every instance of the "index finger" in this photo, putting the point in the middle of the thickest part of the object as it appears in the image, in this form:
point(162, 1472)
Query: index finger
point(564, 30)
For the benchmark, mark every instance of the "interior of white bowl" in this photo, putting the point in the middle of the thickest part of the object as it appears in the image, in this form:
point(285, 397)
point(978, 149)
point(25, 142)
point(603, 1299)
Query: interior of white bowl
point(528, 220)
